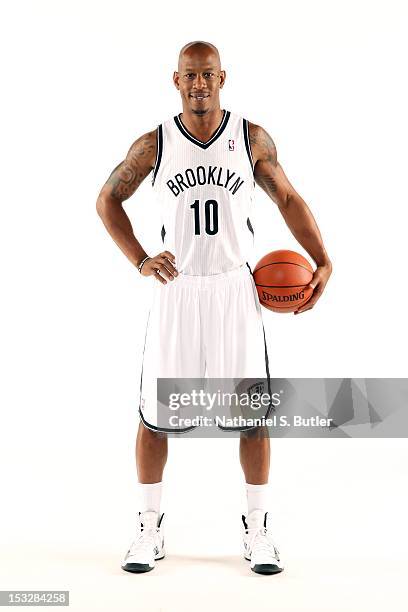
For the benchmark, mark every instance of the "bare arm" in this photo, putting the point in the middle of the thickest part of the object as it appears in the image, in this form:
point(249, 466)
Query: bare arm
point(270, 176)
point(121, 184)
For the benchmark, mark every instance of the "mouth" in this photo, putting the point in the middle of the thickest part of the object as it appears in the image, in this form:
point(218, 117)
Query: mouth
point(199, 97)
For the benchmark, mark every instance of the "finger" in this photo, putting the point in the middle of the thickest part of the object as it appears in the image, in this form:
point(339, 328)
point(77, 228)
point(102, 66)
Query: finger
point(167, 264)
point(159, 277)
point(309, 304)
point(168, 255)
point(302, 310)
point(315, 281)
point(164, 266)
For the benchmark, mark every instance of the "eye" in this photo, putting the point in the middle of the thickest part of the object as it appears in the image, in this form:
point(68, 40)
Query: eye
point(189, 75)
point(209, 75)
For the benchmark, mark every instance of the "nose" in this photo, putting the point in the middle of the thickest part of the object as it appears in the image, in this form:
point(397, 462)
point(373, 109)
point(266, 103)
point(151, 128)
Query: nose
point(199, 82)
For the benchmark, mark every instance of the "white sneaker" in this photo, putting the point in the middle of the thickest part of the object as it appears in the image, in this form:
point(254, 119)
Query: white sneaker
point(259, 548)
point(148, 546)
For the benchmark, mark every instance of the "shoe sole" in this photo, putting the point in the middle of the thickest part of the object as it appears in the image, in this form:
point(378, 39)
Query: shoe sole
point(139, 568)
point(265, 568)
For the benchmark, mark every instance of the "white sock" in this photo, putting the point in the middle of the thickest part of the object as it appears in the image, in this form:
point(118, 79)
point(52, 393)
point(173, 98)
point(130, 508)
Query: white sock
point(257, 497)
point(150, 496)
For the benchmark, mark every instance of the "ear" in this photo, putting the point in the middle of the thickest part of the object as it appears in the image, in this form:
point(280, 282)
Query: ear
point(176, 79)
point(223, 76)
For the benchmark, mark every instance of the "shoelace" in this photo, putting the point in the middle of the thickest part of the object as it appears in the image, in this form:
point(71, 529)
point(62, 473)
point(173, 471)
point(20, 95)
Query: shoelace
point(146, 540)
point(263, 541)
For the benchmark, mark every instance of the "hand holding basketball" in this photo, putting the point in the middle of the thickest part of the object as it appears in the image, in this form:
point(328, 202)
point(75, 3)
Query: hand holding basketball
point(318, 283)
point(285, 281)
point(161, 267)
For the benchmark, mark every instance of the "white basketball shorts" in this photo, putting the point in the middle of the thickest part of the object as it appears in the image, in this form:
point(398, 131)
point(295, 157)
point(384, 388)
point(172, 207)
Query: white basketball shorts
point(202, 326)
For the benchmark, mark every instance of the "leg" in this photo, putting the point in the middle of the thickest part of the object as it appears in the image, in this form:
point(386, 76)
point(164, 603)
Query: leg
point(259, 548)
point(148, 546)
point(254, 454)
point(151, 455)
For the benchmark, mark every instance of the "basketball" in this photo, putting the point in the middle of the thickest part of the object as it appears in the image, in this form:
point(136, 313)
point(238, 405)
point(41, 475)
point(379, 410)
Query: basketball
point(281, 279)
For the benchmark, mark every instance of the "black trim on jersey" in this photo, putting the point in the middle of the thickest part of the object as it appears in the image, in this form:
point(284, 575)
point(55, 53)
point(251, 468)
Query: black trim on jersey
point(249, 224)
point(163, 233)
point(247, 144)
point(159, 151)
point(194, 140)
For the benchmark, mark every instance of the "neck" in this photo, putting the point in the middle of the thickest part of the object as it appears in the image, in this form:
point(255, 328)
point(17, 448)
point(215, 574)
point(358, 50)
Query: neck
point(202, 126)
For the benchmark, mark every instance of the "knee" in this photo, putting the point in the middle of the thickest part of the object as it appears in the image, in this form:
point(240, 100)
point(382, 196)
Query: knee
point(256, 433)
point(148, 435)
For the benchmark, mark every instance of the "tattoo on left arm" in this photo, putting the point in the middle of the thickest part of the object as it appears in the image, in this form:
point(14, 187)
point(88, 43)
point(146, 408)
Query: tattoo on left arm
point(260, 139)
point(264, 151)
point(267, 183)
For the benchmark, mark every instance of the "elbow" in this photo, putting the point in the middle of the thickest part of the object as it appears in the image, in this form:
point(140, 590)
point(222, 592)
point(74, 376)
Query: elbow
point(100, 207)
point(105, 206)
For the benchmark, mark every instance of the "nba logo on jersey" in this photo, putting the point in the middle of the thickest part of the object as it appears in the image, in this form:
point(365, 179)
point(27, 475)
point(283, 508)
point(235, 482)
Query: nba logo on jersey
point(231, 145)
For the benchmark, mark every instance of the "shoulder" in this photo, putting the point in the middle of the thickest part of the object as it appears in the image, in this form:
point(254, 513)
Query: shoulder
point(138, 163)
point(144, 148)
point(262, 146)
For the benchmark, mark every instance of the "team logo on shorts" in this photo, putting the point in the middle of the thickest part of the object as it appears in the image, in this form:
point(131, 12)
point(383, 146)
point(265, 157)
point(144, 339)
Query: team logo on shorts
point(257, 388)
point(231, 145)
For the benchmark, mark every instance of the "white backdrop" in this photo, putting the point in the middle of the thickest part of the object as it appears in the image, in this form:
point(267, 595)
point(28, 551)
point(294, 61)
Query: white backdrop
point(81, 81)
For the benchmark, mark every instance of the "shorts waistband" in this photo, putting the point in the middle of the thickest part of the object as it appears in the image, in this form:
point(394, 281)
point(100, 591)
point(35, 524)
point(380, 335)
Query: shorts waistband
point(191, 280)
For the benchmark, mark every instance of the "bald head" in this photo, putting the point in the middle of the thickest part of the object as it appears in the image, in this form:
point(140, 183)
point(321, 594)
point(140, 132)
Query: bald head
point(201, 49)
point(199, 78)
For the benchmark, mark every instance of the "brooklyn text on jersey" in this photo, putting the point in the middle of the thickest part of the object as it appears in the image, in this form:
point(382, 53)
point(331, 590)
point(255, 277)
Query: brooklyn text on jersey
point(212, 175)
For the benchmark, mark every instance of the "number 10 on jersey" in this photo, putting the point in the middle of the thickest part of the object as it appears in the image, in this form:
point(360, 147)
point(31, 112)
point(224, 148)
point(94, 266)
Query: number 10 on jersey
point(210, 217)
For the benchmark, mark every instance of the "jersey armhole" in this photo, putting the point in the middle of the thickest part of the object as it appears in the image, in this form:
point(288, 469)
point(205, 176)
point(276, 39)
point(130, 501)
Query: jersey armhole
point(159, 151)
point(247, 143)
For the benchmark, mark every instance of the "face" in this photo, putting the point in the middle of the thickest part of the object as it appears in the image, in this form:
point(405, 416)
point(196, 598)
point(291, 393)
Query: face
point(199, 80)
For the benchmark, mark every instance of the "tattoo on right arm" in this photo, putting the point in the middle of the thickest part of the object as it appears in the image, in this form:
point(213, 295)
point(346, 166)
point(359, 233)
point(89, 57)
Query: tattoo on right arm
point(128, 175)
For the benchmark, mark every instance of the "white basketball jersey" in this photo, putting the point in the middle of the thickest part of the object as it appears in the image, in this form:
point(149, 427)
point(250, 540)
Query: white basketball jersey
point(205, 191)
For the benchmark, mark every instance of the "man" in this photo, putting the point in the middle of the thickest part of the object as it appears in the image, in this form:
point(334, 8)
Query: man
point(206, 315)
